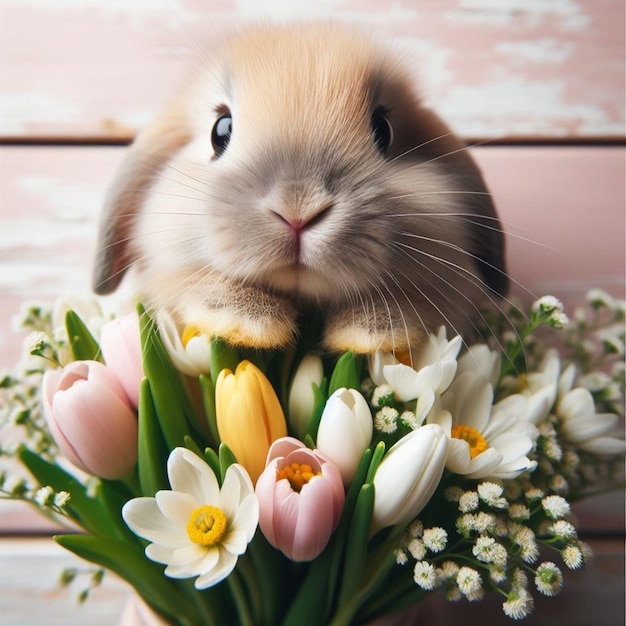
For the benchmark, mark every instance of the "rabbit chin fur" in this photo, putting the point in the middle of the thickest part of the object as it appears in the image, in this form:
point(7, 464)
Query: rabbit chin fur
point(302, 209)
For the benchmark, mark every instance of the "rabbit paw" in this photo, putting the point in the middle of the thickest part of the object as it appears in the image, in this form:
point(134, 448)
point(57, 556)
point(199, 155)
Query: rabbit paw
point(245, 316)
point(367, 331)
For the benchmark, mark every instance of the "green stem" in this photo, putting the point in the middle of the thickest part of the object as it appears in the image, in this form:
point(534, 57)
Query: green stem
point(249, 577)
point(241, 602)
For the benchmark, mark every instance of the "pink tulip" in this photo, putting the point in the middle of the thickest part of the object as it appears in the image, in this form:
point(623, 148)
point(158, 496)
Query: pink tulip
point(91, 419)
point(300, 499)
point(121, 348)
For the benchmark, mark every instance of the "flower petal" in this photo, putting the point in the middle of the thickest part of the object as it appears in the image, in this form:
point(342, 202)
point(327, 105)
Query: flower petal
point(188, 473)
point(224, 566)
point(176, 557)
point(243, 526)
point(144, 518)
point(176, 506)
point(205, 563)
point(315, 520)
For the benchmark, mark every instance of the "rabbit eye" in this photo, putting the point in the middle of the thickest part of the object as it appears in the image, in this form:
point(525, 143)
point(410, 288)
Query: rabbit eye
point(383, 132)
point(220, 135)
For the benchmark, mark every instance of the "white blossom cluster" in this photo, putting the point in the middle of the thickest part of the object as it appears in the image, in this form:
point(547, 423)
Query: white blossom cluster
point(559, 417)
point(495, 542)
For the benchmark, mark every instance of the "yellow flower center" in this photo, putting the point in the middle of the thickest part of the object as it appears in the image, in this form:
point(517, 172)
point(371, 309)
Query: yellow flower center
point(477, 442)
point(523, 381)
point(189, 333)
point(207, 525)
point(297, 475)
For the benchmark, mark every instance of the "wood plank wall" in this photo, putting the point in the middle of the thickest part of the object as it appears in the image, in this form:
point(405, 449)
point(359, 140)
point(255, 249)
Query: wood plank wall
point(539, 84)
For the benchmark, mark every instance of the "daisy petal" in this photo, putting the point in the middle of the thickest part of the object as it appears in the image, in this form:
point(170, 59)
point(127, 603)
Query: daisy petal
point(144, 518)
point(221, 570)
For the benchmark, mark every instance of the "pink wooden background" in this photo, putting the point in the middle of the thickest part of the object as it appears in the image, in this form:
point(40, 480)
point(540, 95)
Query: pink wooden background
point(540, 82)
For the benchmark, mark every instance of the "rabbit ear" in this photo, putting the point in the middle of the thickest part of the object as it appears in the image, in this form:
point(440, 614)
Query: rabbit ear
point(145, 159)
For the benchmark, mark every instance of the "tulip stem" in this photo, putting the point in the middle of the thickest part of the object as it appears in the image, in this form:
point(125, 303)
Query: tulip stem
point(131, 482)
point(241, 602)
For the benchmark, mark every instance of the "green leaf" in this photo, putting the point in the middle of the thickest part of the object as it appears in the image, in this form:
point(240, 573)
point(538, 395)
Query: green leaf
point(345, 374)
point(357, 541)
point(84, 346)
point(320, 397)
point(152, 451)
point(87, 511)
point(171, 402)
point(273, 570)
point(377, 457)
point(223, 356)
point(208, 400)
point(227, 458)
point(129, 562)
point(308, 607)
point(210, 456)
point(340, 536)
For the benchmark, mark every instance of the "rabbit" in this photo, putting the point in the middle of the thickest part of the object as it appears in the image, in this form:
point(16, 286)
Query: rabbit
point(298, 170)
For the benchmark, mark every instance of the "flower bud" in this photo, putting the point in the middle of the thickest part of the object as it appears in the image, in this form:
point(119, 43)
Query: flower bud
point(301, 395)
point(249, 415)
point(345, 431)
point(189, 350)
point(121, 348)
point(91, 419)
point(408, 476)
point(300, 499)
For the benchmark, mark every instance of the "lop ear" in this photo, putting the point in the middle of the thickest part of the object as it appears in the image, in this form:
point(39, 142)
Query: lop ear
point(145, 159)
point(485, 237)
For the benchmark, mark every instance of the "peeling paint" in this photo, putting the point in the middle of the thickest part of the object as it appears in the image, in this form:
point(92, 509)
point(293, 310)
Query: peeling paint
point(549, 50)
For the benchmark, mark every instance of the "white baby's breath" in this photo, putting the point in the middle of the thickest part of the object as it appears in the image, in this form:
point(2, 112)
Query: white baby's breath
point(572, 556)
point(548, 579)
point(386, 420)
point(556, 507)
point(424, 575)
point(519, 604)
point(435, 539)
point(468, 502)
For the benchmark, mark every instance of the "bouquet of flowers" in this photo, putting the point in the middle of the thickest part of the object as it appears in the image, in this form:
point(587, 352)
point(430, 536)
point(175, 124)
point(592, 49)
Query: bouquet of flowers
point(234, 486)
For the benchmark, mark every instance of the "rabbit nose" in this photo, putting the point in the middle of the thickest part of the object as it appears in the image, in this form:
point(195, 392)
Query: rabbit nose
point(303, 220)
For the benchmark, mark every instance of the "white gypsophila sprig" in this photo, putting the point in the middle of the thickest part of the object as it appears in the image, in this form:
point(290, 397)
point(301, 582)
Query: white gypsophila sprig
point(491, 494)
point(518, 605)
point(470, 583)
point(488, 550)
point(386, 420)
point(552, 309)
point(435, 539)
point(469, 501)
point(572, 556)
point(425, 575)
point(556, 507)
point(548, 579)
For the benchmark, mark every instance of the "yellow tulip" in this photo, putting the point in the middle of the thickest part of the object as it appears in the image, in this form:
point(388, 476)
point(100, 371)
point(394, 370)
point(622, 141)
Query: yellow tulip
point(249, 415)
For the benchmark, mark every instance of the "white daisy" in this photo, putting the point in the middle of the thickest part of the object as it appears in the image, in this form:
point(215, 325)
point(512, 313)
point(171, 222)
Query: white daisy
point(487, 440)
point(196, 529)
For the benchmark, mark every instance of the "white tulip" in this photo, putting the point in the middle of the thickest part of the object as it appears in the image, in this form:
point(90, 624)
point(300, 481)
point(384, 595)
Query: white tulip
point(301, 396)
point(408, 476)
point(345, 431)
